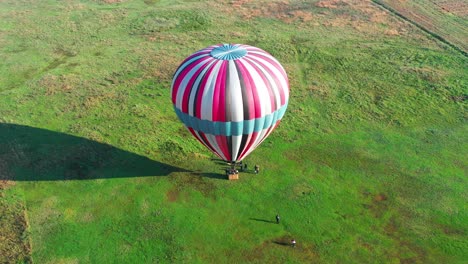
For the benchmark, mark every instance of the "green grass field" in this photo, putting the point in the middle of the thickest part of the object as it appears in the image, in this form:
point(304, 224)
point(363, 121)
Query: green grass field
point(368, 165)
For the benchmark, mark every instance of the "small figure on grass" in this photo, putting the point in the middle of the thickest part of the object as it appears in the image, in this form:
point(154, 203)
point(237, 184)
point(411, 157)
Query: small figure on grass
point(293, 243)
point(277, 218)
point(257, 169)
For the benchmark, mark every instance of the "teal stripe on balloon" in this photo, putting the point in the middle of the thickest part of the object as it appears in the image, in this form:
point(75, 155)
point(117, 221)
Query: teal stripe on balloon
point(231, 128)
point(228, 52)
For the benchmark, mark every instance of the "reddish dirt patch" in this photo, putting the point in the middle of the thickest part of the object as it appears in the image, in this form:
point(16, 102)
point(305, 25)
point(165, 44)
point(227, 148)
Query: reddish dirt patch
point(380, 197)
point(15, 246)
point(378, 205)
point(456, 7)
point(4, 184)
point(367, 17)
point(173, 195)
point(161, 65)
point(401, 248)
point(431, 15)
point(112, 1)
point(392, 32)
point(329, 3)
point(282, 10)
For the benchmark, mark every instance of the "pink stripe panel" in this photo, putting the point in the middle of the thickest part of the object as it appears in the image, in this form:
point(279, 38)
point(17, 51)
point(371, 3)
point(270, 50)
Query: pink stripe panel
point(179, 78)
point(249, 143)
point(219, 111)
point(222, 144)
point(207, 144)
point(186, 95)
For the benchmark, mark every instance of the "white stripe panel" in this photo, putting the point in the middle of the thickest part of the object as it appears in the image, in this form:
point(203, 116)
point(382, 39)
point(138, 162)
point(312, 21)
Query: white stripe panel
point(236, 142)
point(274, 87)
point(276, 72)
point(235, 93)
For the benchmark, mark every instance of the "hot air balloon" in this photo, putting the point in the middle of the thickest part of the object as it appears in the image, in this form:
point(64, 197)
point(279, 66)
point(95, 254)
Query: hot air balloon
point(230, 97)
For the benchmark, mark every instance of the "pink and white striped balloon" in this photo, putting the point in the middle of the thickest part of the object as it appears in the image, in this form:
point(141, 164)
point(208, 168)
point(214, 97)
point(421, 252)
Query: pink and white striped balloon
point(230, 97)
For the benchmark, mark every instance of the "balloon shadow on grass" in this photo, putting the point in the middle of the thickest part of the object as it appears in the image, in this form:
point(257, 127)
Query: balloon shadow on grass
point(34, 154)
point(282, 243)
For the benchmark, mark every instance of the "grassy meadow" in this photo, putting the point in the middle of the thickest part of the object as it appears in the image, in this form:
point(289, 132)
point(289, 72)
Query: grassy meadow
point(368, 165)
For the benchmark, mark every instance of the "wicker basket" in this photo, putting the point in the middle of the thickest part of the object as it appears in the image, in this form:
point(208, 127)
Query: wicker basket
point(233, 176)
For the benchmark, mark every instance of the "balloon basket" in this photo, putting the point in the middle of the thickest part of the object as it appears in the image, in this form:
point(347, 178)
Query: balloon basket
point(234, 176)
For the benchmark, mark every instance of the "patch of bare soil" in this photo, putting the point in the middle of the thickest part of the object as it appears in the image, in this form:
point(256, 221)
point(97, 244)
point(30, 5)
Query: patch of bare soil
point(426, 16)
point(400, 251)
point(282, 10)
point(173, 195)
point(456, 7)
point(365, 17)
point(329, 3)
point(378, 206)
point(14, 242)
point(161, 65)
point(361, 15)
point(380, 197)
point(112, 1)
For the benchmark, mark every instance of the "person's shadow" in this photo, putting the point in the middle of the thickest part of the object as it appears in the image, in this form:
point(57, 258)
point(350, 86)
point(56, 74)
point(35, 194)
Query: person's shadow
point(262, 220)
point(34, 154)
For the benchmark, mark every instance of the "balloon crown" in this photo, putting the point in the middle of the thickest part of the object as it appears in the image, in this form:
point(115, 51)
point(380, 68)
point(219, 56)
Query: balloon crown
point(228, 52)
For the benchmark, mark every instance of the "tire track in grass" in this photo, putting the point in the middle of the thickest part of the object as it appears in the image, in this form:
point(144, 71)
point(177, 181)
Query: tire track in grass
point(421, 27)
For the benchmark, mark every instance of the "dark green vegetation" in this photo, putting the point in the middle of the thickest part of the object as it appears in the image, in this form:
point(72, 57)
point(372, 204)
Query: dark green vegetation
point(368, 166)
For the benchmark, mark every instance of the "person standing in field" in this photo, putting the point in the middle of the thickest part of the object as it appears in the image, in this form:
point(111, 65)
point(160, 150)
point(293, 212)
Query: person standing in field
point(293, 243)
point(277, 218)
point(257, 169)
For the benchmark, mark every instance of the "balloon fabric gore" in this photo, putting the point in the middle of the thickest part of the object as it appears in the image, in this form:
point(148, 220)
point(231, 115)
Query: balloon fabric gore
point(230, 97)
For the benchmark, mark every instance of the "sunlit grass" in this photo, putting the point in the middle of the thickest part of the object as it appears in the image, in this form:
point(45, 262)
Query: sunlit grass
point(368, 165)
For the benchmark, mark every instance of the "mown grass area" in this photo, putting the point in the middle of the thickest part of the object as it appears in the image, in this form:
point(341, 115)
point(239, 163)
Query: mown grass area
point(368, 165)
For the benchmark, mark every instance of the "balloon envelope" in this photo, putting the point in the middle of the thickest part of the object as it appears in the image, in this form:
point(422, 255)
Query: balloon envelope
point(230, 97)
